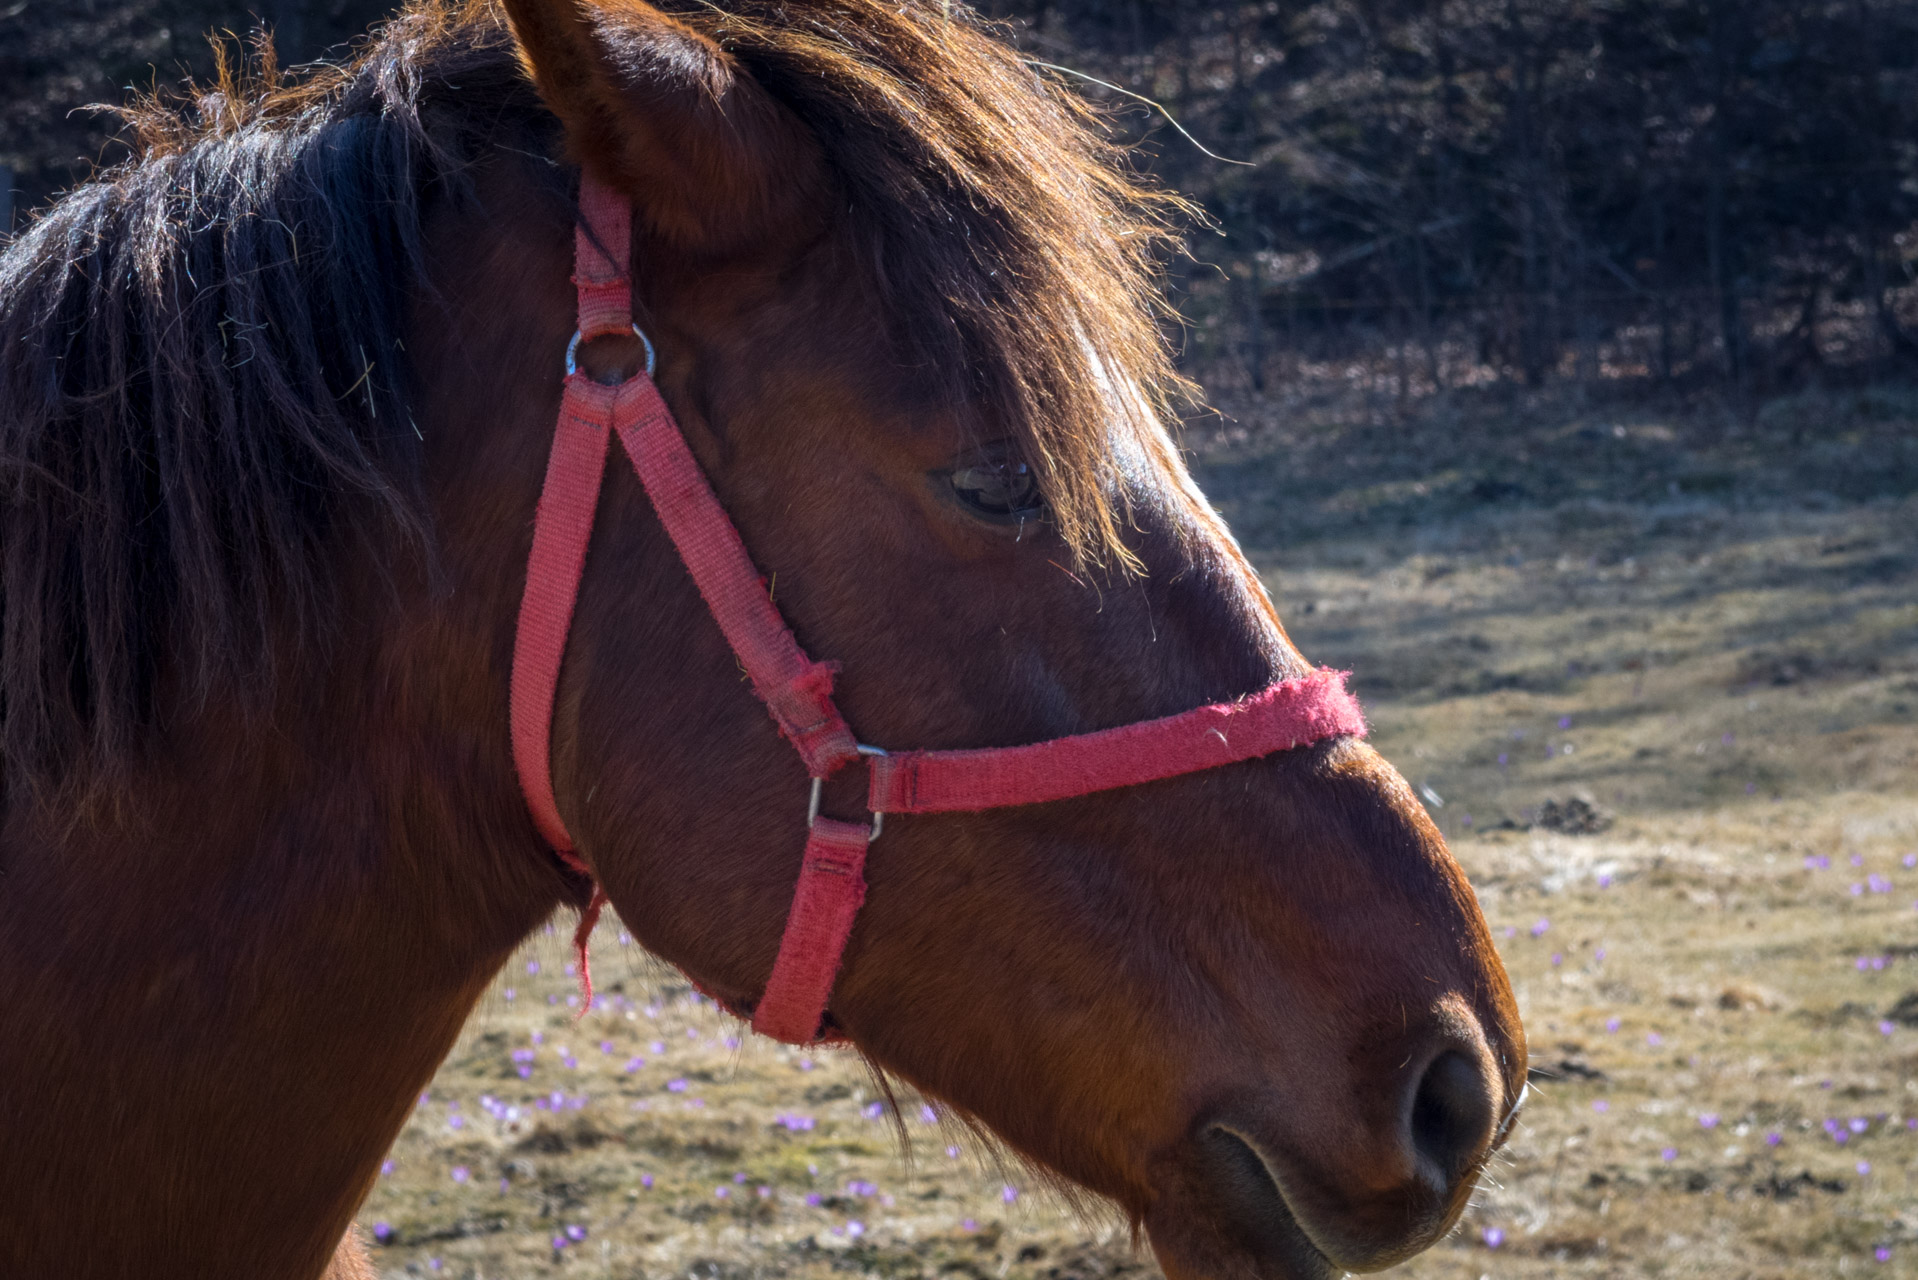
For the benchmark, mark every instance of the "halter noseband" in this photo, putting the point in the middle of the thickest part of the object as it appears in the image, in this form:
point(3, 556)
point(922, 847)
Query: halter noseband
point(796, 689)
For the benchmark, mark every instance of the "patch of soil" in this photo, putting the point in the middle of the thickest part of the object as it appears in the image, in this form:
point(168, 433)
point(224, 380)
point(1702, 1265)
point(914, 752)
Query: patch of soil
point(1573, 816)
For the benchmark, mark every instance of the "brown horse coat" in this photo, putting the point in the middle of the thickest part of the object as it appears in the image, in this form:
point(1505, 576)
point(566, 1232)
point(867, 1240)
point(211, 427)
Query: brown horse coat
point(274, 404)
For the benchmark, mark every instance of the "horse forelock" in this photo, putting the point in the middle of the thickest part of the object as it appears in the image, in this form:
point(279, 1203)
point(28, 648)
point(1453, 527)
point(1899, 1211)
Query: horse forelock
point(1019, 251)
point(202, 366)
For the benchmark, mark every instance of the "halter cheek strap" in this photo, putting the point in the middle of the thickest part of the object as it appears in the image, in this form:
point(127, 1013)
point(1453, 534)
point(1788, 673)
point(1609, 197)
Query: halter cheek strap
point(797, 690)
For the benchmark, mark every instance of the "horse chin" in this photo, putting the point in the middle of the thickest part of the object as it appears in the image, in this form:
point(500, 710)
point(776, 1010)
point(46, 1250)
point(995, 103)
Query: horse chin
point(1219, 1215)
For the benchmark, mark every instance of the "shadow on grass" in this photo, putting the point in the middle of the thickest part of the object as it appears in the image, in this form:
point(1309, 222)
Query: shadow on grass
point(1608, 619)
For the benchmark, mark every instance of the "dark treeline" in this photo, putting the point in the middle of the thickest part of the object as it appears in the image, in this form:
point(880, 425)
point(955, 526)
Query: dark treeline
point(1685, 190)
point(59, 59)
point(1529, 189)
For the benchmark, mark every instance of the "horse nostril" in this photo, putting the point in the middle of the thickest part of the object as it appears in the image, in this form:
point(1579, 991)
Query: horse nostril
point(1453, 1113)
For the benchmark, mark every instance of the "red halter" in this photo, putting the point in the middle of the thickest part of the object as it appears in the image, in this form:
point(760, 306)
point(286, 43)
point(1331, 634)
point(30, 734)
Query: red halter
point(797, 690)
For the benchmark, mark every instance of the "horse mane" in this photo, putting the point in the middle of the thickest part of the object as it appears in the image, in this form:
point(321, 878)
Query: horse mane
point(1019, 250)
point(203, 388)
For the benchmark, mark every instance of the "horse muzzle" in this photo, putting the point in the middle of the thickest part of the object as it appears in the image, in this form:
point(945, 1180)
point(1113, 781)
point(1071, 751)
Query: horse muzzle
point(1263, 1189)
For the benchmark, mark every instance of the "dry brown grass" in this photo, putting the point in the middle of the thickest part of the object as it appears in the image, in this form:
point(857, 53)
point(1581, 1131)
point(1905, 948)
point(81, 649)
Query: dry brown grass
point(1713, 626)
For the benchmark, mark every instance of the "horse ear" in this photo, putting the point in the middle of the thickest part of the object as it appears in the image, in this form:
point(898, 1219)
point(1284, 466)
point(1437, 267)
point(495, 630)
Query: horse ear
point(711, 160)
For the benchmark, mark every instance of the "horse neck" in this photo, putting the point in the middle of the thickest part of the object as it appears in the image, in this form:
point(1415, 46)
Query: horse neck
point(239, 977)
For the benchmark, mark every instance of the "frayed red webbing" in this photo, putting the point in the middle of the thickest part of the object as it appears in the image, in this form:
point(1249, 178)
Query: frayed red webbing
point(562, 529)
point(602, 252)
point(1290, 714)
point(831, 889)
point(796, 689)
point(583, 936)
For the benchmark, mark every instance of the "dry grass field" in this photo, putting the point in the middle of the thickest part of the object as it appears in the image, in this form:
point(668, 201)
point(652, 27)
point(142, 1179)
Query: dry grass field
point(1657, 676)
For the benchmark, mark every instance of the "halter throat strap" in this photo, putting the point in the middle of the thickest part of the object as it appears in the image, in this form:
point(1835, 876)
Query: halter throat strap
point(796, 689)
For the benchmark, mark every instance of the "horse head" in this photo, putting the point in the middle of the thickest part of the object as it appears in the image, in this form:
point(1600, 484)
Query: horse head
point(1256, 1006)
point(276, 403)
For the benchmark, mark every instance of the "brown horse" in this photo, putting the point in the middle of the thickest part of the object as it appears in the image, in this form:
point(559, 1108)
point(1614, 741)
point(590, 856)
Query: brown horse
point(275, 402)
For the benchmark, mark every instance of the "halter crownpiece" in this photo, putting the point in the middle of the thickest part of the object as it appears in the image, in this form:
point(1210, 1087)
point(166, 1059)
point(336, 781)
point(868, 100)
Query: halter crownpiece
point(797, 690)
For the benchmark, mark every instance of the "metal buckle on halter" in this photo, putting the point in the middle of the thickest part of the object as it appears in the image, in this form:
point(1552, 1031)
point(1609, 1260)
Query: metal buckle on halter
point(819, 787)
point(572, 351)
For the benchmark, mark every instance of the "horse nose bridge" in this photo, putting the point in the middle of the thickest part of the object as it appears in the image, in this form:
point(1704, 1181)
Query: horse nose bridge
point(1335, 903)
point(1446, 949)
point(1396, 912)
point(1212, 616)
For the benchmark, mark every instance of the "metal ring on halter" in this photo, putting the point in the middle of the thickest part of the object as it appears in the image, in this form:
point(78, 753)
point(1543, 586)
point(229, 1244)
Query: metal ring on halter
point(572, 351)
point(819, 786)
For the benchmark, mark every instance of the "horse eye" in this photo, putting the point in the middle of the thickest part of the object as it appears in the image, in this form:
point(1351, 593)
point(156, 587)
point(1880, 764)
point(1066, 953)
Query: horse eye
point(1000, 488)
